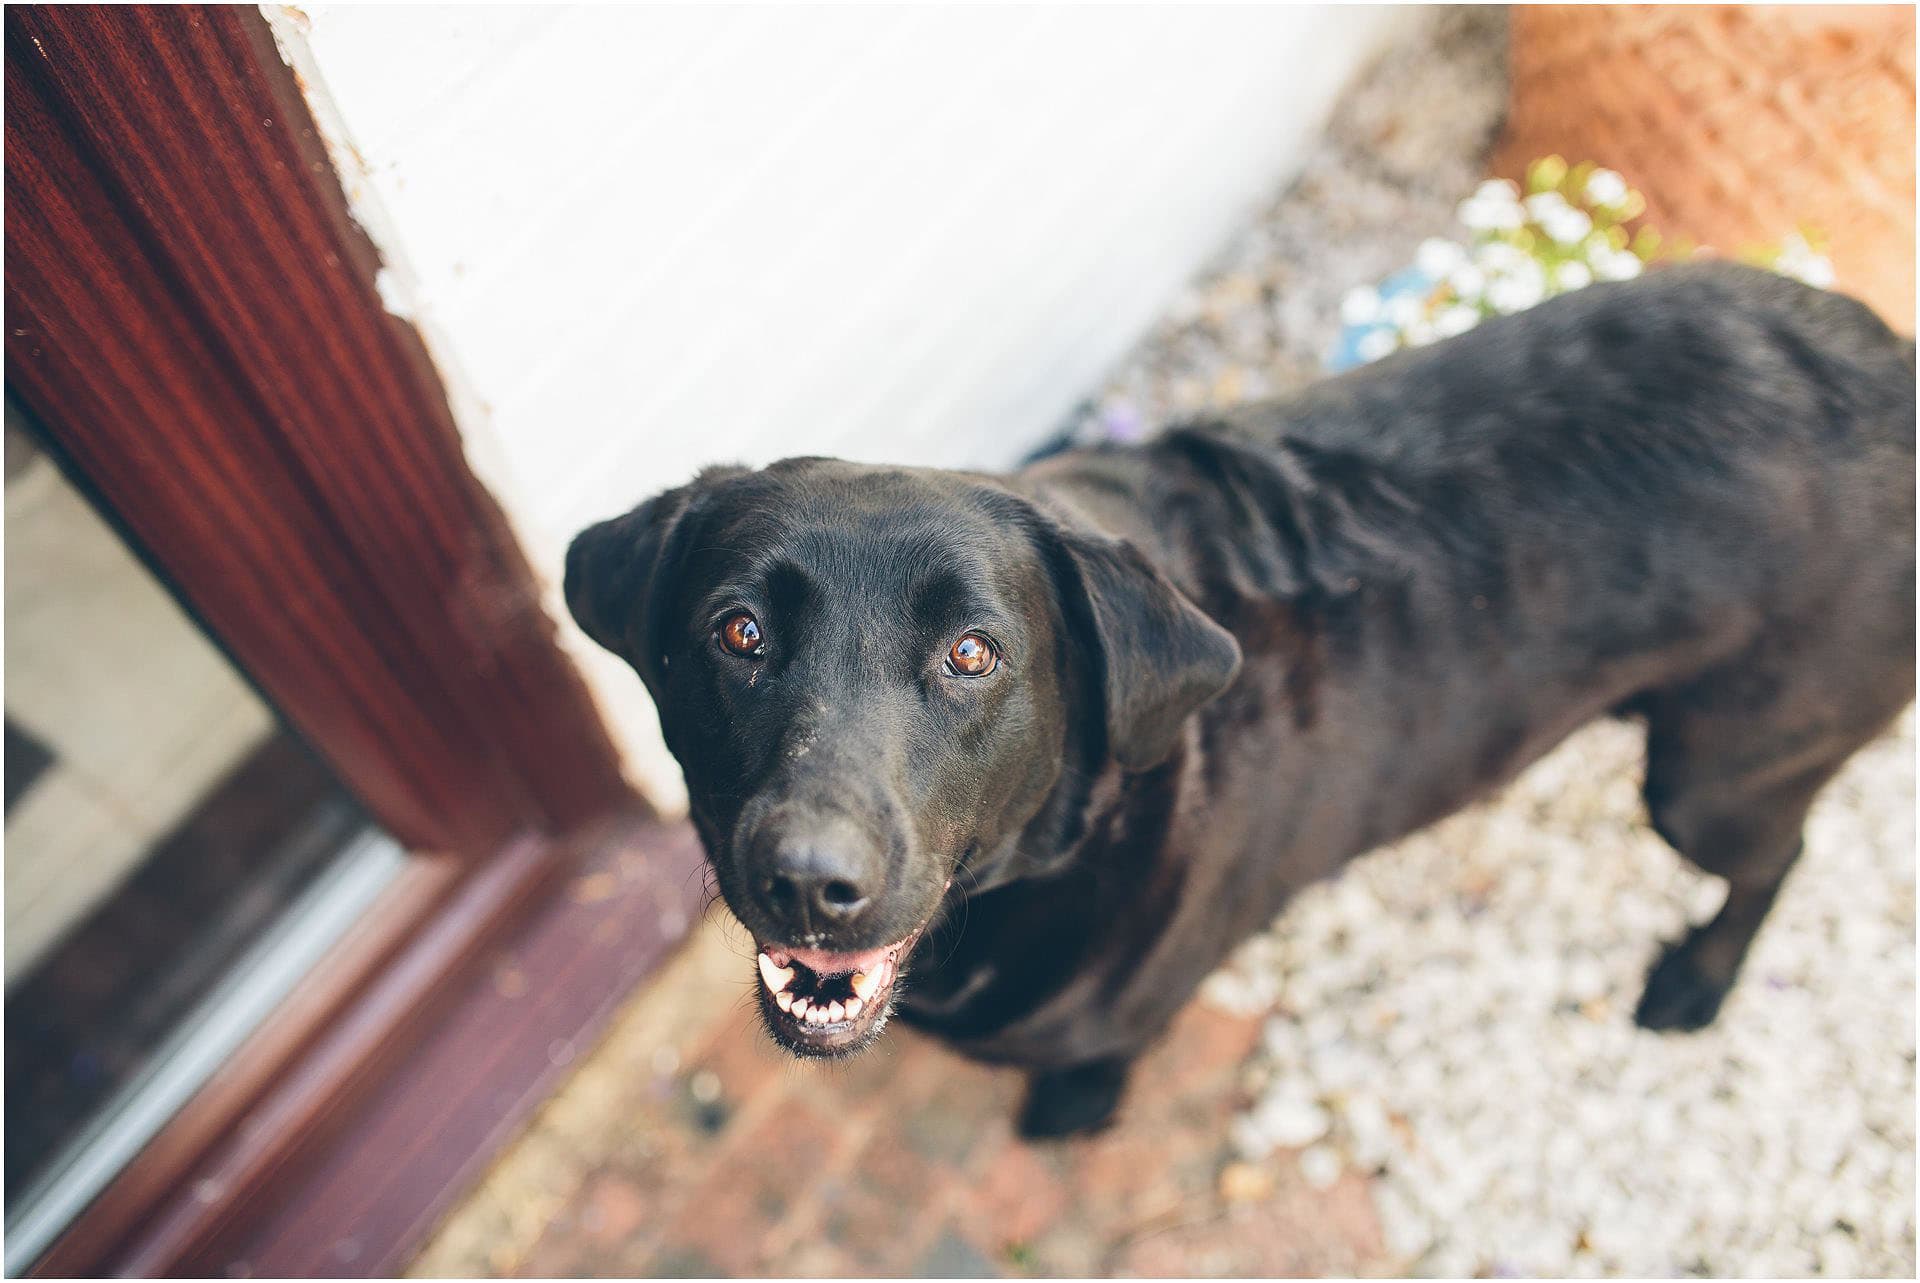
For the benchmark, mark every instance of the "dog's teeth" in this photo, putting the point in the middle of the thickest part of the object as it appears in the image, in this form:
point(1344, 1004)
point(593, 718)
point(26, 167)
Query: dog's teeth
point(854, 1007)
point(777, 978)
point(816, 1016)
point(785, 1000)
point(800, 1008)
point(864, 985)
point(836, 1013)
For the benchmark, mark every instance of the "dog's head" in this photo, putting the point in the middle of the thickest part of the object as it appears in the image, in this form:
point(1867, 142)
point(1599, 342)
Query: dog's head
point(873, 679)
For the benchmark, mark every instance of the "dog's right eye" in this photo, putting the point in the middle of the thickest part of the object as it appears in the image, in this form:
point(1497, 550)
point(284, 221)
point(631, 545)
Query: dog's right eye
point(741, 635)
point(972, 656)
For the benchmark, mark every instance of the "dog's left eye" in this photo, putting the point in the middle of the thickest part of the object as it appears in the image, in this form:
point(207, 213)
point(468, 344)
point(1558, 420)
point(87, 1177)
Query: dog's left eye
point(741, 634)
point(972, 656)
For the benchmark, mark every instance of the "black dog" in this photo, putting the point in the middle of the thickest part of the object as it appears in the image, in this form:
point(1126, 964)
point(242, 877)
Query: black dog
point(1055, 742)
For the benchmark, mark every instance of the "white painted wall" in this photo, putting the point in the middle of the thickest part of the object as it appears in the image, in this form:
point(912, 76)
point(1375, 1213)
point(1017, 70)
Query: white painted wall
point(641, 239)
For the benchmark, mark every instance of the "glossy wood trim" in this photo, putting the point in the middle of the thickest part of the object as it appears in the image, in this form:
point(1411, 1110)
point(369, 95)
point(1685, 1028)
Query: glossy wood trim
point(421, 889)
point(291, 1126)
point(507, 1038)
point(192, 316)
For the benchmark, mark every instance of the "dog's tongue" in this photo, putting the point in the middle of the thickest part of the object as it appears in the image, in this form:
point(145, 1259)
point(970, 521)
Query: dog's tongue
point(824, 963)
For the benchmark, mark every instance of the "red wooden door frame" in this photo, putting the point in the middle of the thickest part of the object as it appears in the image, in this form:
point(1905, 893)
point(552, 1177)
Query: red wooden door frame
point(192, 318)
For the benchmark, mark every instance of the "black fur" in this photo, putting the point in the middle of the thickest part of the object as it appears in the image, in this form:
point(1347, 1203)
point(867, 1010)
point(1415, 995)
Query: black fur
point(1250, 650)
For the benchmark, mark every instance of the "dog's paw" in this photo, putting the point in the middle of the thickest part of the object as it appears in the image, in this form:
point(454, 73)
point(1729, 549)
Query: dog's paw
point(1679, 996)
point(1073, 1102)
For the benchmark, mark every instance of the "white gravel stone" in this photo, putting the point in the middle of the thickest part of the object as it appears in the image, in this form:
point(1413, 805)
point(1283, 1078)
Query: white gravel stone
point(1287, 1119)
point(1321, 1166)
point(1549, 1140)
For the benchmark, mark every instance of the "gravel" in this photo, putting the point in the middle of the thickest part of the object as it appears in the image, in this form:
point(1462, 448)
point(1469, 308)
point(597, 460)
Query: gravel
point(1452, 1016)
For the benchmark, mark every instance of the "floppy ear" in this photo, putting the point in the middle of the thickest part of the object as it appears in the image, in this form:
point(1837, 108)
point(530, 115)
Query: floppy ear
point(1162, 657)
point(614, 570)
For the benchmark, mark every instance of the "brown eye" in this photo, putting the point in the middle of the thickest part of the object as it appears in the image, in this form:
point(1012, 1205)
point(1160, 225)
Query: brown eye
point(741, 635)
point(972, 656)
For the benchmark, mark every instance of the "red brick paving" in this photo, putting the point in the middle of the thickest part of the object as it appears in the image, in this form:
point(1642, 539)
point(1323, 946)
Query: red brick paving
point(905, 1163)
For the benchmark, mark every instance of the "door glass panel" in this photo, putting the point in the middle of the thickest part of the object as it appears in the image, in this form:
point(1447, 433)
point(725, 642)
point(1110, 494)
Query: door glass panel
point(175, 858)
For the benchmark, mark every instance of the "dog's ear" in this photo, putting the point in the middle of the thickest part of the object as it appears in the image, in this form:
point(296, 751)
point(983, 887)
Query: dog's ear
point(613, 571)
point(1161, 657)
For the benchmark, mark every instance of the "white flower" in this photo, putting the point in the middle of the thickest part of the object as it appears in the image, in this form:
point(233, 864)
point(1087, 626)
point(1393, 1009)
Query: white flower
point(1467, 280)
point(1457, 319)
point(1515, 293)
point(1606, 188)
point(1815, 269)
point(1798, 260)
point(1572, 276)
point(1505, 218)
point(1420, 333)
point(1403, 310)
point(1496, 190)
point(1491, 215)
point(1507, 296)
point(1616, 264)
point(1438, 257)
point(1544, 205)
point(1375, 344)
point(1498, 256)
point(1567, 225)
point(1361, 306)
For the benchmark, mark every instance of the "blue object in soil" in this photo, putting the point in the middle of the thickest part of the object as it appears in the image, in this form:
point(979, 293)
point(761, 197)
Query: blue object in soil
point(1346, 349)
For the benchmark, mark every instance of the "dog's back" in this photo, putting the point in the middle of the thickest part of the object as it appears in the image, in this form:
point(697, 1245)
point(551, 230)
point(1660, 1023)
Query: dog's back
point(1690, 497)
point(1714, 460)
point(1482, 544)
point(1710, 398)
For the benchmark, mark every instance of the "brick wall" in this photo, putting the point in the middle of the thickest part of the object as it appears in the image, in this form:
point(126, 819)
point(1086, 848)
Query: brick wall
point(1738, 123)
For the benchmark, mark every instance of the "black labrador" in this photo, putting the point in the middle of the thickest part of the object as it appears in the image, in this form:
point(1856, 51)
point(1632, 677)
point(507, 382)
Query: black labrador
point(1048, 745)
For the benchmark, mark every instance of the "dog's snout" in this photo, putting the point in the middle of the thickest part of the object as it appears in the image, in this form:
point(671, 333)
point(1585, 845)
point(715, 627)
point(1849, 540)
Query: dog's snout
point(822, 897)
point(815, 876)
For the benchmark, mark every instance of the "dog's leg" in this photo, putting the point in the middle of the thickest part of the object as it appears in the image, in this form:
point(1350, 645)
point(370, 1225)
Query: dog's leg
point(1692, 978)
point(1067, 1102)
point(1733, 765)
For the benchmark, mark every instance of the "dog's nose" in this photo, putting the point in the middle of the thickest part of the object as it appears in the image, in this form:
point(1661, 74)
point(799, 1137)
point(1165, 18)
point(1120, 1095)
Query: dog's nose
point(817, 899)
point(817, 877)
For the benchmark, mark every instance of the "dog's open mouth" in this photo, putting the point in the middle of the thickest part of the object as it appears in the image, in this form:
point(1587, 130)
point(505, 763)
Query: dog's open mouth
point(822, 1003)
point(819, 1003)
